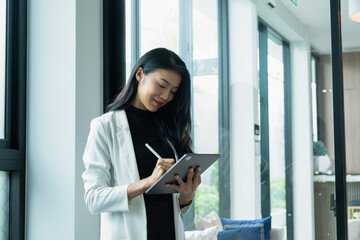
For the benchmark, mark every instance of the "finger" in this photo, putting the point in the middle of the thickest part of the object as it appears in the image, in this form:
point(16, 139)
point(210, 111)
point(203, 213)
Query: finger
point(197, 177)
point(198, 182)
point(173, 186)
point(165, 164)
point(190, 176)
point(179, 180)
point(167, 160)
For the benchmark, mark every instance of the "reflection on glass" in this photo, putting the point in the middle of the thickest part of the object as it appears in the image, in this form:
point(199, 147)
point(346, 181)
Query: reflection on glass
point(351, 73)
point(4, 205)
point(205, 100)
point(314, 97)
point(159, 25)
point(276, 130)
point(206, 141)
point(2, 66)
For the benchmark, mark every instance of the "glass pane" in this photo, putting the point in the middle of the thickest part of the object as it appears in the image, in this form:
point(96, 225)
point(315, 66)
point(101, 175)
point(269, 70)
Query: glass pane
point(2, 66)
point(276, 130)
point(351, 74)
point(323, 132)
point(4, 205)
point(159, 25)
point(313, 71)
point(205, 100)
point(206, 141)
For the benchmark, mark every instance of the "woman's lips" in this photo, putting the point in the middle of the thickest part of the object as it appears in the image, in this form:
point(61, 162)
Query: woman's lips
point(158, 103)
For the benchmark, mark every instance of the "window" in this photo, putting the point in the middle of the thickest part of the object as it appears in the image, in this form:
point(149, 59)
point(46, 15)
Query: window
point(159, 25)
point(276, 160)
point(205, 100)
point(12, 118)
point(189, 28)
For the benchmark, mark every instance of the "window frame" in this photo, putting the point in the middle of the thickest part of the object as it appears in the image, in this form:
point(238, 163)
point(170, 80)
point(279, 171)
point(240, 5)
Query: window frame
point(224, 110)
point(264, 123)
point(184, 48)
point(13, 147)
point(114, 50)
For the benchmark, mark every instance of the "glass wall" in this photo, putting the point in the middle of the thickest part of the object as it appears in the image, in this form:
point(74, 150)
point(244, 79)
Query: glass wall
point(159, 25)
point(323, 134)
point(351, 83)
point(276, 103)
point(206, 100)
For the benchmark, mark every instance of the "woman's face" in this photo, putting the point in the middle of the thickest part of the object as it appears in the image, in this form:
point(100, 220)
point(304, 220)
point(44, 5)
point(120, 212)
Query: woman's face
point(155, 89)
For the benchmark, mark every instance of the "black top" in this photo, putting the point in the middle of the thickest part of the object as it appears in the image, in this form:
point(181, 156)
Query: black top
point(159, 207)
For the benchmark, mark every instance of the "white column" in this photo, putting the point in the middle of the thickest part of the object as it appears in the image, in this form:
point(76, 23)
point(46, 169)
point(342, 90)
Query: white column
point(303, 189)
point(50, 189)
point(64, 94)
point(244, 167)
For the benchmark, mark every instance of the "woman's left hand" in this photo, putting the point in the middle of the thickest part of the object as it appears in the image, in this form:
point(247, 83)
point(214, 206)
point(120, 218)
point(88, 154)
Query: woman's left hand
point(187, 189)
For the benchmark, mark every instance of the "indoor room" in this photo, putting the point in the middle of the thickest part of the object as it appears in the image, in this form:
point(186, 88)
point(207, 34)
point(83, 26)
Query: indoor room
point(274, 90)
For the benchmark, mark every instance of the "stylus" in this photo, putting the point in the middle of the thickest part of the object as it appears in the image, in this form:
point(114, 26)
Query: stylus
point(152, 150)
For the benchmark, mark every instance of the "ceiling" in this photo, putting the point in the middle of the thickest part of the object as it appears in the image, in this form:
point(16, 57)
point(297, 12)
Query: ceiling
point(316, 15)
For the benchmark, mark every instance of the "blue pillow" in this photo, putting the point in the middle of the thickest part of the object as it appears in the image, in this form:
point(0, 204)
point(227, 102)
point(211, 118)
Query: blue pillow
point(227, 224)
point(254, 232)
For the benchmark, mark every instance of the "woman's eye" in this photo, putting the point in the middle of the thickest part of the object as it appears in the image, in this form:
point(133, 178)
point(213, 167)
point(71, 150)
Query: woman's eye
point(172, 92)
point(161, 85)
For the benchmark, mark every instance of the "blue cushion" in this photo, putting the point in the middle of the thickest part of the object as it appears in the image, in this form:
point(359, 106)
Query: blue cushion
point(236, 224)
point(188, 229)
point(254, 232)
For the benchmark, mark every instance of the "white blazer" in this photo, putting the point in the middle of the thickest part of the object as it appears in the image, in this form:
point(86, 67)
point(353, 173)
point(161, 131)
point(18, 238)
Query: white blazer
point(110, 164)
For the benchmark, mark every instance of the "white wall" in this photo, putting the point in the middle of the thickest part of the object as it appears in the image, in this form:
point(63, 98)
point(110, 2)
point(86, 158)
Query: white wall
point(244, 167)
point(64, 93)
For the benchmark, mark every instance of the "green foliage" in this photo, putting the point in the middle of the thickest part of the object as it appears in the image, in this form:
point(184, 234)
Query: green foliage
point(207, 195)
point(319, 148)
point(277, 190)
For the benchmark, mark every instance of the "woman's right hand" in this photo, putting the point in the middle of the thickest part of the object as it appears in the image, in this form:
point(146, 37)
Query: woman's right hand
point(162, 165)
point(139, 187)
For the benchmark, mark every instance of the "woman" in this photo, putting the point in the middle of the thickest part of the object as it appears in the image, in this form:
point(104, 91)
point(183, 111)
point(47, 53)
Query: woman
point(153, 108)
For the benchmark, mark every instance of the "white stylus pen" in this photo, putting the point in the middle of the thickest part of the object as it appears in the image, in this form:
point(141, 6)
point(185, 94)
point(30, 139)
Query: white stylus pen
point(152, 150)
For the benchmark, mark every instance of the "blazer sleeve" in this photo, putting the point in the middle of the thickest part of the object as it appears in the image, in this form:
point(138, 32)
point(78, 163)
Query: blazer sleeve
point(182, 210)
point(99, 195)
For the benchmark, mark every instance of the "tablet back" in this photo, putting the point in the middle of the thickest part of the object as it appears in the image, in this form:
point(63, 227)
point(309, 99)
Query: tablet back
point(181, 168)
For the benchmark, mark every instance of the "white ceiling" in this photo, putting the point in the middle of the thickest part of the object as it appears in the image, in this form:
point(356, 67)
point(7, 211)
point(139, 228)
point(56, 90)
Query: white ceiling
point(316, 15)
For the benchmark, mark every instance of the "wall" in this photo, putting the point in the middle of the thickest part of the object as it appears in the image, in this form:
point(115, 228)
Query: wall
point(351, 70)
point(244, 167)
point(64, 93)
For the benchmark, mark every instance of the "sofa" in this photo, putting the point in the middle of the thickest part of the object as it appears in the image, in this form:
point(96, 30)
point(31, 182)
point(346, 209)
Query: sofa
point(212, 227)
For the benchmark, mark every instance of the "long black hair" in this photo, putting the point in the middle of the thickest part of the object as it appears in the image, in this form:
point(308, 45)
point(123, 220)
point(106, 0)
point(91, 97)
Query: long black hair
point(173, 120)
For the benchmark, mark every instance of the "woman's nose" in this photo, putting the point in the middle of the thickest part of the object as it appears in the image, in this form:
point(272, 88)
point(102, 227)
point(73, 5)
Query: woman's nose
point(166, 94)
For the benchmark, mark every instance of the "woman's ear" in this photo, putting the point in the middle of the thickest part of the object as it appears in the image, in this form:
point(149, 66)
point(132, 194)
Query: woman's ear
point(139, 74)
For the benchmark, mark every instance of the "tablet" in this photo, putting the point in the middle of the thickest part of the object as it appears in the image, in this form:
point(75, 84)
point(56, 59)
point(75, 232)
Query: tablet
point(181, 168)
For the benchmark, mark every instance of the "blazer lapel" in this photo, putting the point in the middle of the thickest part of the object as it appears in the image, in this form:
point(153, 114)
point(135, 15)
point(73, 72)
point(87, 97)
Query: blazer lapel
point(126, 146)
